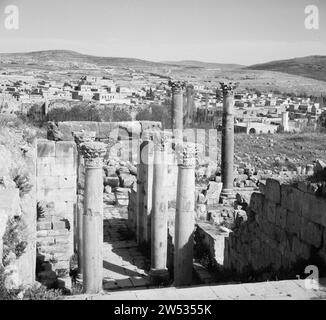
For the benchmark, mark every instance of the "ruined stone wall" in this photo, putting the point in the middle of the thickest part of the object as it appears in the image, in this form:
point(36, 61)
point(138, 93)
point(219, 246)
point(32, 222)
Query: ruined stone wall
point(286, 226)
point(57, 200)
point(18, 206)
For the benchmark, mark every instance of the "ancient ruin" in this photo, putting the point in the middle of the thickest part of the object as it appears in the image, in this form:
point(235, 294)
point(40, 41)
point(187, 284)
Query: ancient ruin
point(129, 201)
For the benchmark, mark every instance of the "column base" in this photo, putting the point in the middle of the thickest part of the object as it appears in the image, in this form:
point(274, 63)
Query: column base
point(159, 276)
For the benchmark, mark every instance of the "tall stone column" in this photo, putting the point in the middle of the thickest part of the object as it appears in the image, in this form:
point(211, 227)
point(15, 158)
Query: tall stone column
point(177, 110)
point(190, 104)
point(80, 137)
point(227, 140)
point(144, 190)
point(185, 218)
point(93, 153)
point(159, 219)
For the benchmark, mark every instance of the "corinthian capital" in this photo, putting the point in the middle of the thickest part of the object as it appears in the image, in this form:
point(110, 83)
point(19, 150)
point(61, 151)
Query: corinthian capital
point(177, 86)
point(228, 88)
point(93, 153)
point(160, 142)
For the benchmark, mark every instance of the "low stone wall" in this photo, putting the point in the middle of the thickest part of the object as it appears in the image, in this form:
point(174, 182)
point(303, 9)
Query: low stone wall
point(62, 131)
point(286, 226)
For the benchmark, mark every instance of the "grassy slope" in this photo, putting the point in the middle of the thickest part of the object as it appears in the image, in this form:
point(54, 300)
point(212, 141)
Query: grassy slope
point(311, 67)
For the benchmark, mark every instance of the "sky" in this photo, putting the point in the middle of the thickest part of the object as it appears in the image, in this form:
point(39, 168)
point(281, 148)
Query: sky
point(230, 31)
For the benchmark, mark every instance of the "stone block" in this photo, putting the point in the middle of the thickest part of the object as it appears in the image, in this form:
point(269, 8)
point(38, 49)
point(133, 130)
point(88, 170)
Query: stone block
point(67, 181)
point(64, 167)
point(47, 195)
point(314, 209)
point(55, 233)
point(65, 208)
point(213, 192)
point(257, 203)
point(54, 249)
point(65, 149)
point(45, 148)
point(311, 233)
point(273, 190)
point(280, 218)
point(112, 181)
point(46, 182)
point(67, 194)
point(45, 166)
point(42, 233)
point(287, 197)
point(60, 225)
point(293, 223)
point(44, 225)
point(300, 249)
point(45, 241)
point(61, 265)
point(62, 239)
point(270, 211)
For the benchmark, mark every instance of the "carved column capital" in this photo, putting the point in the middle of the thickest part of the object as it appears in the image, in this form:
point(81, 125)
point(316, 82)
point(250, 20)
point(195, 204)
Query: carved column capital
point(177, 86)
point(93, 153)
point(160, 142)
point(228, 88)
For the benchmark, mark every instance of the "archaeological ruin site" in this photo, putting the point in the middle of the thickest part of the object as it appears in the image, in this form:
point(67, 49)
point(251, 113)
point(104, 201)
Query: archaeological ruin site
point(128, 210)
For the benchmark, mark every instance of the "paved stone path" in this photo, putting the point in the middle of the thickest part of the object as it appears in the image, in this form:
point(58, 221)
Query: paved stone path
point(274, 290)
point(124, 265)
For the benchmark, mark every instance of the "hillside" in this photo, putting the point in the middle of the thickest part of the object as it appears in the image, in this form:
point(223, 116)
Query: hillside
point(63, 57)
point(311, 67)
point(72, 58)
point(201, 64)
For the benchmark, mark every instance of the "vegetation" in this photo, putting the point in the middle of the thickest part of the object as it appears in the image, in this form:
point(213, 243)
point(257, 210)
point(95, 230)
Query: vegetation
point(36, 292)
point(89, 112)
point(12, 240)
point(156, 112)
point(311, 67)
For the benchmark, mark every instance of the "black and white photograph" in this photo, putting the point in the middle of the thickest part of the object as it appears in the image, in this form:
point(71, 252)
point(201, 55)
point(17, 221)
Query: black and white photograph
point(163, 155)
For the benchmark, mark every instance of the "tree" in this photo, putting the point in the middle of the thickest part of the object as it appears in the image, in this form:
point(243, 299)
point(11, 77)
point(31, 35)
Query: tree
point(121, 115)
point(161, 113)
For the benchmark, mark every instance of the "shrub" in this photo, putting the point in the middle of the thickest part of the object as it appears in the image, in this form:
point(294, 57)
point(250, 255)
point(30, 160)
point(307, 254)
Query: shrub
point(12, 239)
point(42, 293)
point(22, 181)
point(161, 113)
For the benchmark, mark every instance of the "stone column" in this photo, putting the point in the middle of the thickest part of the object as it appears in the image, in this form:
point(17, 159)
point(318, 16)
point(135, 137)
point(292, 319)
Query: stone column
point(177, 109)
point(227, 140)
point(93, 153)
point(80, 137)
point(185, 218)
point(144, 190)
point(159, 218)
point(285, 121)
point(190, 111)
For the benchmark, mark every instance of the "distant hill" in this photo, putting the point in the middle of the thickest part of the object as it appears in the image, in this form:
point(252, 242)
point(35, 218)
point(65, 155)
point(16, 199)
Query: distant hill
point(311, 67)
point(51, 57)
point(201, 64)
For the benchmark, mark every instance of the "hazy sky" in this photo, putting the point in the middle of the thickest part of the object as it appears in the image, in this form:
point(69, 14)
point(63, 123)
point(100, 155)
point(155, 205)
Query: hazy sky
point(229, 31)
